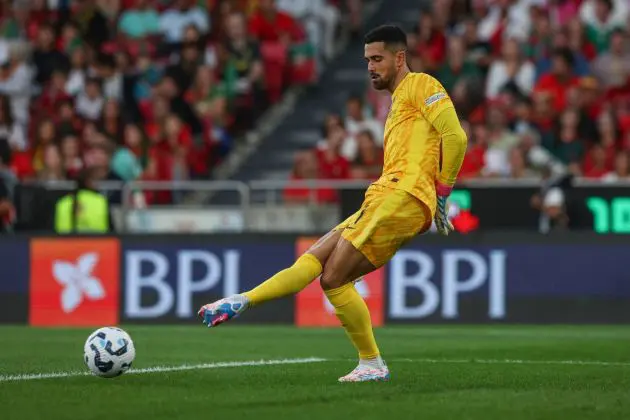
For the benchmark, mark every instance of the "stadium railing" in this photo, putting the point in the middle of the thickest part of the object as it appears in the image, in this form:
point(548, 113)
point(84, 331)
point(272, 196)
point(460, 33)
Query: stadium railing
point(259, 205)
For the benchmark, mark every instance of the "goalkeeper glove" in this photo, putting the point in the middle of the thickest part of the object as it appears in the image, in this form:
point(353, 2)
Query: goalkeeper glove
point(444, 226)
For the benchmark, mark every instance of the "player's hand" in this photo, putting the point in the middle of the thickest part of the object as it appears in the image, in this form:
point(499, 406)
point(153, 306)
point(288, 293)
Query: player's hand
point(444, 226)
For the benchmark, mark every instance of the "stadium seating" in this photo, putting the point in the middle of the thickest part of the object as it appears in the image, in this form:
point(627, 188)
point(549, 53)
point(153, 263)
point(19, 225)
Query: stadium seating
point(169, 85)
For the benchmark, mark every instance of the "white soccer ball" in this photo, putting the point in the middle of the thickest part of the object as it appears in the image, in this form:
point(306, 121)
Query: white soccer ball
point(109, 352)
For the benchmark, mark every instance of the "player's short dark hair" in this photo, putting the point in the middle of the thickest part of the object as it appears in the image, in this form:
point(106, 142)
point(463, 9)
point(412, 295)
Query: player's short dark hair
point(390, 35)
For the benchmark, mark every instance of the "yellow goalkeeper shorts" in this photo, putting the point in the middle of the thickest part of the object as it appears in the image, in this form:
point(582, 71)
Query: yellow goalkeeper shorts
point(388, 219)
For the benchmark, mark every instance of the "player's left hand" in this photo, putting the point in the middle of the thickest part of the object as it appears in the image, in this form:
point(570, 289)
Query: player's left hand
point(442, 223)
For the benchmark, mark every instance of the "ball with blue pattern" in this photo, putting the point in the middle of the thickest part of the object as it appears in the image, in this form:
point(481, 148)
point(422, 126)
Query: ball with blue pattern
point(109, 352)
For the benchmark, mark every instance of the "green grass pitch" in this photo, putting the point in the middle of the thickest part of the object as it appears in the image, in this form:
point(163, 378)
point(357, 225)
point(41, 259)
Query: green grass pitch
point(451, 372)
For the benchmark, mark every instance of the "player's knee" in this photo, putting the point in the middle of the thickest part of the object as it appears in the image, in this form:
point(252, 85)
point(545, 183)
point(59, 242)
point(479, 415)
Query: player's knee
point(331, 279)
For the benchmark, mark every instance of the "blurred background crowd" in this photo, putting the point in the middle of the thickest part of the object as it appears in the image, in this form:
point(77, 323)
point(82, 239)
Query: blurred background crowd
point(149, 89)
point(165, 89)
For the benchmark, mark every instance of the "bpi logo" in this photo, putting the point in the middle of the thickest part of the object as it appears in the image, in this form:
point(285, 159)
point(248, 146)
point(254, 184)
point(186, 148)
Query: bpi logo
point(77, 280)
point(74, 282)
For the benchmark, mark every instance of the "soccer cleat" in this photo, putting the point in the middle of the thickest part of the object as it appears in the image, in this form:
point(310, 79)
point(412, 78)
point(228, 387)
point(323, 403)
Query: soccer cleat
point(223, 310)
point(363, 373)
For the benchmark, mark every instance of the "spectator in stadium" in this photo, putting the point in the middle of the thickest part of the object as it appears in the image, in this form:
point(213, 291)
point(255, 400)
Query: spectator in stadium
point(578, 41)
point(77, 74)
point(140, 20)
point(357, 121)
point(46, 57)
point(601, 18)
point(431, 42)
point(332, 164)
point(89, 103)
point(136, 140)
point(500, 141)
point(124, 162)
point(268, 24)
point(598, 167)
point(622, 169)
point(560, 79)
point(16, 81)
point(98, 161)
point(511, 71)
point(174, 20)
point(111, 122)
point(183, 73)
point(210, 97)
point(568, 144)
point(541, 38)
point(598, 162)
point(71, 155)
point(523, 118)
point(169, 90)
point(369, 161)
point(477, 51)
point(319, 18)
point(474, 160)
point(503, 19)
point(85, 210)
point(612, 68)
point(560, 39)
point(554, 215)
point(67, 121)
point(9, 129)
point(110, 76)
point(457, 67)
point(7, 185)
point(243, 55)
point(92, 23)
point(306, 167)
point(53, 168)
point(537, 157)
point(45, 134)
point(52, 94)
point(518, 165)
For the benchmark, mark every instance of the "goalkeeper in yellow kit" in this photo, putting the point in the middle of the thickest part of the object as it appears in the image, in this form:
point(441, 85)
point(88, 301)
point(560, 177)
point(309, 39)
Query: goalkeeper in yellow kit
point(424, 149)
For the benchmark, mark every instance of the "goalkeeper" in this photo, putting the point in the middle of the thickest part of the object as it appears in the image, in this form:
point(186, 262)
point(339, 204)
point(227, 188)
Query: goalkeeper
point(424, 149)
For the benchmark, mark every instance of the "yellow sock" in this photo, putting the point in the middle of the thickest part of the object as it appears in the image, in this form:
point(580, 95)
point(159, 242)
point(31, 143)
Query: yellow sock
point(354, 315)
point(288, 281)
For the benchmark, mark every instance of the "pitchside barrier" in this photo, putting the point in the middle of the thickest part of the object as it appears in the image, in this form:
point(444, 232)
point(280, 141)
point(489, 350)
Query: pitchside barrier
point(482, 278)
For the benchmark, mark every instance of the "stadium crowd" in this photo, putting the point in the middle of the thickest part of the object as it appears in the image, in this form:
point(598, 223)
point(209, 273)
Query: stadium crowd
point(148, 89)
point(542, 88)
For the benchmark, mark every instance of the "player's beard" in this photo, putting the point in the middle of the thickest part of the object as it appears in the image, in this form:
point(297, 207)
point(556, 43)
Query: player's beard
point(378, 82)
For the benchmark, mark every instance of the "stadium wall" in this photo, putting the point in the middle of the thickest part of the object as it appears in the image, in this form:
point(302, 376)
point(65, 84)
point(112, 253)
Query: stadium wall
point(485, 278)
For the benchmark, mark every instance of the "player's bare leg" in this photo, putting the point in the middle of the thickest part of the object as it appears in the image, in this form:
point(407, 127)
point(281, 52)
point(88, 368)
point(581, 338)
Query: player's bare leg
point(344, 265)
point(287, 282)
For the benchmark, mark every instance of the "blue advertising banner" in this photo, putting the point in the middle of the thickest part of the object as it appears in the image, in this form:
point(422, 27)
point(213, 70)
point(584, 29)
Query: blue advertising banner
point(511, 283)
point(167, 280)
point(14, 275)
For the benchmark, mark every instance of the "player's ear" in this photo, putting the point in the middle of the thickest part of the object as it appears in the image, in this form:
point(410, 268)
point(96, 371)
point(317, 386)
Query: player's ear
point(401, 58)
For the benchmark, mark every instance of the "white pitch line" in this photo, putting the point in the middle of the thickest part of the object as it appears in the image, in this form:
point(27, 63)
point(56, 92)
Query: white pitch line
point(515, 362)
point(160, 369)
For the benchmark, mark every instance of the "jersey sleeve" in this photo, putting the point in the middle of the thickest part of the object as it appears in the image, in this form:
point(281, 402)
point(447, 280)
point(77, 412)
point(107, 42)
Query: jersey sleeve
point(430, 97)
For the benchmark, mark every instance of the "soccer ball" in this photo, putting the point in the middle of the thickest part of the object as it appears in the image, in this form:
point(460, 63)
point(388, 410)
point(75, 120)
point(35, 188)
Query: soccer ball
point(109, 352)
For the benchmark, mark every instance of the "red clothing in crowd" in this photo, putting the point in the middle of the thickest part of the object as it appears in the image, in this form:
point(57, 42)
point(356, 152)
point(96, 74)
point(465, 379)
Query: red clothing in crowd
point(272, 30)
point(337, 168)
point(322, 195)
point(474, 162)
point(551, 84)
